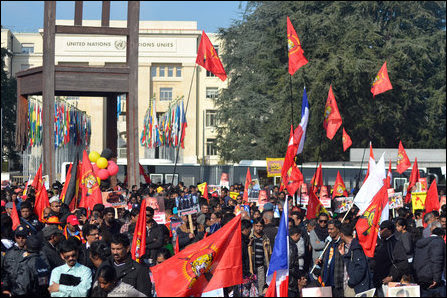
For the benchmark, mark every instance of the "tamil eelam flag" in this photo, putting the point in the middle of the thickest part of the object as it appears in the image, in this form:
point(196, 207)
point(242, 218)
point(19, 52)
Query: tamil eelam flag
point(90, 192)
point(247, 185)
point(339, 187)
point(381, 82)
point(208, 58)
point(332, 118)
point(432, 199)
point(292, 148)
point(317, 179)
point(347, 142)
point(403, 162)
point(414, 178)
point(139, 236)
point(279, 261)
point(295, 51)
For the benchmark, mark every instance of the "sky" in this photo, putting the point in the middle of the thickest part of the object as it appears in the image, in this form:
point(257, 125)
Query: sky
point(27, 16)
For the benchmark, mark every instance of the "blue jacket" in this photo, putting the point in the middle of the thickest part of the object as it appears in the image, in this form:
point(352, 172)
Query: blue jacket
point(360, 277)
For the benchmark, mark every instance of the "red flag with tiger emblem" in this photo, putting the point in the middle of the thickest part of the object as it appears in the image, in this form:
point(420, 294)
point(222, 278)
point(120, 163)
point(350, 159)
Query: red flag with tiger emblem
point(332, 118)
point(296, 53)
point(382, 82)
point(403, 162)
point(339, 187)
point(139, 236)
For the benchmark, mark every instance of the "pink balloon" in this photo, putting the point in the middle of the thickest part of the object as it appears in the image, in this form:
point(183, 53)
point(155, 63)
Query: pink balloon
point(103, 174)
point(112, 169)
point(95, 167)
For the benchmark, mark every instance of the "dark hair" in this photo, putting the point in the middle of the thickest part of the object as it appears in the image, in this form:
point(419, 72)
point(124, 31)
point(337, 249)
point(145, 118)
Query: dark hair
point(99, 207)
point(68, 245)
point(150, 209)
point(25, 204)
point(100, 249)
point(401, 212)
point(108, 210)
point(134, 212)
point(227, 218)
point(298, 214)
point(121, 239)
point(294, 230)
point(218, 214)
point(402, 222)
point(335, 222)
point(108, 273)
point(246, 224)
point(163, 251)
point(258, 220)
point(88, 228)
point(418, 212)
point(323, 214)
point(346, 229)
point(6, 226)
point(438, 232)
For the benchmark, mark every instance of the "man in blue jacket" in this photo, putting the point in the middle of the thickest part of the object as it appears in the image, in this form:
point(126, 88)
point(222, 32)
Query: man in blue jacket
point(355, 263)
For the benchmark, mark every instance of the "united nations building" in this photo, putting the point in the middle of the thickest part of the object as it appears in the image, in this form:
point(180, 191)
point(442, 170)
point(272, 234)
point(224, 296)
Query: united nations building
point(166, 77)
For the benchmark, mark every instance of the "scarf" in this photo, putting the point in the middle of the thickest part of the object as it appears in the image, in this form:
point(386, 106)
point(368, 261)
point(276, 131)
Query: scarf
point(321, 233)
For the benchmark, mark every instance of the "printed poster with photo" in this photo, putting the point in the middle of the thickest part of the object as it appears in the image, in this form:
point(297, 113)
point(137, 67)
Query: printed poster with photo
point(404, 291)
point(303, 197)
point(113, 199)
point(214, 189)
point(158, 204)
point(253, 196)
point(262, 199)
point(225, 180)
point(187, 205)
point(325, 199)
point(396, 201)
point(317, 292)
point(342, 204)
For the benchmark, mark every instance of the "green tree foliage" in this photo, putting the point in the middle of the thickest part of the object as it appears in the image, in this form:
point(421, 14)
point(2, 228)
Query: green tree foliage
point(346, 43)
point(8, 96)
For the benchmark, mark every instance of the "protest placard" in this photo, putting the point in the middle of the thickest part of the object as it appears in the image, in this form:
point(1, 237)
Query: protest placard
point(234, 195)
point(342, 204)
point(158, 205)
point(262, 199)
point(317, 292)
point(214, 189)
point(253, 196)
point(396, 201)
point(325, 199)
point(369, 293)
point(225, 180)
point(418, 200)
point(187, 205)
point(113, 199)
point(274, 166)
point(404, 291)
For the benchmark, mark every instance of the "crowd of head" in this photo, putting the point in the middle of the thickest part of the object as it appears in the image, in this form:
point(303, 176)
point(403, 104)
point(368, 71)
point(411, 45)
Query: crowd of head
point(87, 252)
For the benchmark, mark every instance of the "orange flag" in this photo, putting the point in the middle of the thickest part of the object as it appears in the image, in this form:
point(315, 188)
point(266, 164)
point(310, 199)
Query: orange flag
point(294, 179)
point(332, 118)
point(296, 53)
point(42, 200)
point(314, 206)
point(247, 185)
point(339, 187)
point(403, 162)
point(414, 178)
point(382, 82)
point(139, 236)
point(346, 140)
point(37, 178)
point(212, 263)
point(271, 291)
point(317, 179)
point(292, 148)
point(368, 224)
point(14, 217)
point(90, 195)
point(432, 199)
point(208, 58)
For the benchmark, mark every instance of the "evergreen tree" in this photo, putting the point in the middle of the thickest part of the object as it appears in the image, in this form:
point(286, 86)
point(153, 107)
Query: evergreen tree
point(346, 43)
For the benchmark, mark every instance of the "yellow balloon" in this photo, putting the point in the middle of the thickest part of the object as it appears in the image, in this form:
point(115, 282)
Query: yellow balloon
point(102, 163)
point(99, 180)
point(93, 156)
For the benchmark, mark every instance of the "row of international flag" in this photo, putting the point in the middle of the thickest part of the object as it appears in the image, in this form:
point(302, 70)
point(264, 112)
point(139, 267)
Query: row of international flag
point(168, 131)
point(70, 125)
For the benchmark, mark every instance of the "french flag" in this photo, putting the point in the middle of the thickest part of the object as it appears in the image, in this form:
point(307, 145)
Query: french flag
point(300, 131)
point(279, 261)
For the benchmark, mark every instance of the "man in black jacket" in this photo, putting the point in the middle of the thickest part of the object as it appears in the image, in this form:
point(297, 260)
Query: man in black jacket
point(33, 274)
point(53, 236)
point(245, 240)
point(110, 226)
point(294, 266)
point(29, 218)
point(129, 271)
point(390, 260)
point(154, 236)
point(91, 234)
point(429, 260)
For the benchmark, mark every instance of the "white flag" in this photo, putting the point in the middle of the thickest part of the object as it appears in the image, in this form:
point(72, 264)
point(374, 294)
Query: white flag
point(372, 185)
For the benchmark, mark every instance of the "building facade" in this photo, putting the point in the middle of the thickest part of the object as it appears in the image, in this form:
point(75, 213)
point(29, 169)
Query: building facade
point(167, 72)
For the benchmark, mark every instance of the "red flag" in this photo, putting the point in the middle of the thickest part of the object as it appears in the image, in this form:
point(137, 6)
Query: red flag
point(212, 263)
point(368, 224)
point(332, 118)
point(371, 161)
point(296, 53)
point(339, 187)
point(41, 201)
point(14, 217)
point(91, 195)
point(37, 178)
point(247, 185)
point(294, 179)
point(317, 179)
point(390, 172)
point(67, 180)
point(432, 199)
point(271, 291)
point(403, 162)
point(382, 82)
point(146, 177)
point(177, 246)
point(346, 140)
point(292, 148)
point(208, 58)
point(414, 178)
point(139, 236)
point(314, 206)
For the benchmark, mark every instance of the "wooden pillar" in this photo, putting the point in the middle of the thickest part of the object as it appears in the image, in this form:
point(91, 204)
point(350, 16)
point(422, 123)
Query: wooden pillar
point(133, 17)
point(48, 90)
point(111, 130)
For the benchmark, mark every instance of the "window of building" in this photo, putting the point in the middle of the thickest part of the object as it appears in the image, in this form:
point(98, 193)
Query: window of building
point(170, 71)
point(153, 71)
point(212, 92)
point(211, 118)
point(25, 66)
point(27, 48)
point(161, 71)
point(178, 70)
point(209, 74)
point(216, 47)
point(165, 93)
point(211, 148)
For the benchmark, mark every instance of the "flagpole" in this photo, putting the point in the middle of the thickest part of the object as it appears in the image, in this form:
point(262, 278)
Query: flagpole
point(291, 98)
point(178, 128)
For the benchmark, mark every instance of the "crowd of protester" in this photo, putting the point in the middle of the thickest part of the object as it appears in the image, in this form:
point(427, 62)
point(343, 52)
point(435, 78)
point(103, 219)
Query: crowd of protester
point(73, 253)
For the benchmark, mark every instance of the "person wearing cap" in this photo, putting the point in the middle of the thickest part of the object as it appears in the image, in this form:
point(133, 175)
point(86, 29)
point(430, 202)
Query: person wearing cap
point(8, 208)
point(53, 236)
point(12, 258)
point(390, 260)
point(72, 228)
point(33, 274)
point(55, 206)
point(29, 218)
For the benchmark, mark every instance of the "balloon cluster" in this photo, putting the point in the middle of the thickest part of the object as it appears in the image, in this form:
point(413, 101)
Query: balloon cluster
point(103, 166)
